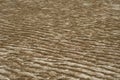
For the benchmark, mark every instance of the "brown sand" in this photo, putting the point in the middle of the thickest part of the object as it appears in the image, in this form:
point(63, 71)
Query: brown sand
point(59, 39)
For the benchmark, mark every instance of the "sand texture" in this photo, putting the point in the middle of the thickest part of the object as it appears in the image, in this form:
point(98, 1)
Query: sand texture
point(59, 39)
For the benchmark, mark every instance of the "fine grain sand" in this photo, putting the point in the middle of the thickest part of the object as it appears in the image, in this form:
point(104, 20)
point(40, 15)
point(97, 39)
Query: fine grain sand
point(59, 39)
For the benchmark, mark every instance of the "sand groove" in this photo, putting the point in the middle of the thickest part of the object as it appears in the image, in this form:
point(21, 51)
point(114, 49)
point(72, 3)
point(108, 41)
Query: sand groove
point(59, 40)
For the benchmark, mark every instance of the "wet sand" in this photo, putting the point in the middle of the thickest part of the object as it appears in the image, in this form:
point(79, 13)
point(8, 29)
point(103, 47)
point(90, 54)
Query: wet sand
point(59, 39)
